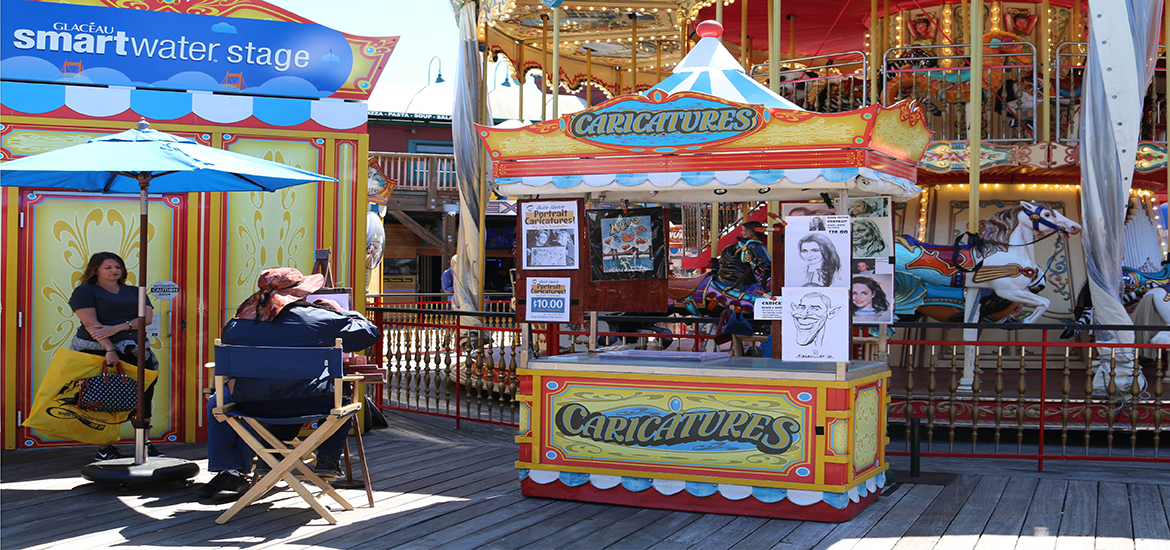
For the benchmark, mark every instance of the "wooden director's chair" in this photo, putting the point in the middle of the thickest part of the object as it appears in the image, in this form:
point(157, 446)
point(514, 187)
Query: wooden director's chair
point(294, 363)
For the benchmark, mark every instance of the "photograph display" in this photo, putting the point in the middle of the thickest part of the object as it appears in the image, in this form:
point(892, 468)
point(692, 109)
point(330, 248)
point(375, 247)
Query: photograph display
point(815, 324)
point(550, 235)
point(627, 245)
point(817, 251)
point(872, 227)
point(872, 299)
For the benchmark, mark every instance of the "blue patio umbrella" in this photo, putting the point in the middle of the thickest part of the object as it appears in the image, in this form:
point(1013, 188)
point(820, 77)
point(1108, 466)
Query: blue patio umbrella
point(148, 161)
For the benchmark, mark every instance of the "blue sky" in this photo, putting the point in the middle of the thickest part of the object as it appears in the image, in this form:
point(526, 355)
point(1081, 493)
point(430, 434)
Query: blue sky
point(426, 27)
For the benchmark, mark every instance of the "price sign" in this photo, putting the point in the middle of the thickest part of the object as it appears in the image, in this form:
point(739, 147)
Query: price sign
point(548, 299)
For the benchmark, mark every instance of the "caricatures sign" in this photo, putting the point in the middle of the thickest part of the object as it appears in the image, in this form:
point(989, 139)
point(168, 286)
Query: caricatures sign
point(816, 324)
point(666, 123)
point(629, 245)
point(817, 251)
point(547, 299)
point(549, 230)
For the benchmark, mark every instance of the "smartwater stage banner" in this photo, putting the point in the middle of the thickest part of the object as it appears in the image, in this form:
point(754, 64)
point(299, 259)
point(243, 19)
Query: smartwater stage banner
point(49, 42)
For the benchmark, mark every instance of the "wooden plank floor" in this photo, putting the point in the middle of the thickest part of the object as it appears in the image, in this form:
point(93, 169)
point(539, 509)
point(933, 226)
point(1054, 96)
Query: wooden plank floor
point(442, 488)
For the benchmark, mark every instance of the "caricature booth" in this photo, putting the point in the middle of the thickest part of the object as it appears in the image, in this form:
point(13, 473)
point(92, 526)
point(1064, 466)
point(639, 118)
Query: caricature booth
point(798, 435)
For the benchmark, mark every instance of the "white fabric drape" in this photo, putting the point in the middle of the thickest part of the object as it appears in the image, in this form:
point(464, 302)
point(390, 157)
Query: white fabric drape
point(1123, 48)
point(468, 159)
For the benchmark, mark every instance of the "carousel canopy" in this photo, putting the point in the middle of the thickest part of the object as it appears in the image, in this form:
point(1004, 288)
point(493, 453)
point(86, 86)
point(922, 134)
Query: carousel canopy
point(706, 137)
point(710, 69)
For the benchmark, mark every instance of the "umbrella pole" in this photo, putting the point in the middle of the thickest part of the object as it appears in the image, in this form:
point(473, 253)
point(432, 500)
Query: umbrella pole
point(140, 425)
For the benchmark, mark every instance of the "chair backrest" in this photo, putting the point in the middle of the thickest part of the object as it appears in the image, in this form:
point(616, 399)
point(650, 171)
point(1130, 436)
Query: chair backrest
point(277, 362)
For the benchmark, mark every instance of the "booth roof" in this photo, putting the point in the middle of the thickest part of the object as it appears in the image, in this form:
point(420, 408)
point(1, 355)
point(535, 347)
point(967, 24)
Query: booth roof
point(729, 185)
point(709, 68)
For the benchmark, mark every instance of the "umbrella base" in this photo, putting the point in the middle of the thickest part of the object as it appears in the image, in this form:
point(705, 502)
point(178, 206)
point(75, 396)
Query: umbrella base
point(123, 471)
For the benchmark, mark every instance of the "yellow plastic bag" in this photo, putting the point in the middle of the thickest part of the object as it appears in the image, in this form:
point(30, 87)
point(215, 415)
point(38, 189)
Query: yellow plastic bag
point(54, 412)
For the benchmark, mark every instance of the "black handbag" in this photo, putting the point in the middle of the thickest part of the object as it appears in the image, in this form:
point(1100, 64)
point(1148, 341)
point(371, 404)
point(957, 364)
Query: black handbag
point(108, 392)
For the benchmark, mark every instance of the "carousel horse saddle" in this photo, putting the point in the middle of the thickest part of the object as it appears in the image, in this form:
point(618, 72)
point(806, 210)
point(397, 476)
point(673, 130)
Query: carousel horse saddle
point(681, 289)
point(948, 261)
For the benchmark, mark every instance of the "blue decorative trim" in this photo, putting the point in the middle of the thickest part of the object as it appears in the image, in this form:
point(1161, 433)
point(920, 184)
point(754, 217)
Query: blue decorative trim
point(636, 484)
point(769, 494)
point(574, 479)
point(701, 489)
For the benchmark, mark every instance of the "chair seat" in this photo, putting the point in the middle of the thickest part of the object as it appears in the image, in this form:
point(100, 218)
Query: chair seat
point(304, 419)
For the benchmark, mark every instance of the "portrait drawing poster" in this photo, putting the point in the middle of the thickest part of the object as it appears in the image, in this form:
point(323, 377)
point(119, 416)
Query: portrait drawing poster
point(629, 245)
point(816, 251)
point(550, 231)
point(815, 325)
point(872, 227)
point(872, 299)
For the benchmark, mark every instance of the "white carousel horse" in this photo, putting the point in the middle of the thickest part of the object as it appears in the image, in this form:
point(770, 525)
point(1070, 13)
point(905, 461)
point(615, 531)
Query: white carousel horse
point(1004, 261)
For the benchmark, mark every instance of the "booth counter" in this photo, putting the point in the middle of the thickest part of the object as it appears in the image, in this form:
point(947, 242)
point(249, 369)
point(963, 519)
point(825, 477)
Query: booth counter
point(704, 433)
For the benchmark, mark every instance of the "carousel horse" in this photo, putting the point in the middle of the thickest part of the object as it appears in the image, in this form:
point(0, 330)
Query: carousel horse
point(795, 87)
point(1002, 260)
point(844, 95)
point(952, 85)
point(744, 274)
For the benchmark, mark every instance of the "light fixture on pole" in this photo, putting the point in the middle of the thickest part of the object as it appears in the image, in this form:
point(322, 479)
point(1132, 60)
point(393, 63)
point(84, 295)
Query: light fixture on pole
point(439, 78)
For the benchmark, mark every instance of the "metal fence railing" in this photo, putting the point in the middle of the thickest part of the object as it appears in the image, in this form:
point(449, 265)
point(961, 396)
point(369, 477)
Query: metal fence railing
point(830, 83)
point(418, 172)
point(939, 78)
point(1022, 394)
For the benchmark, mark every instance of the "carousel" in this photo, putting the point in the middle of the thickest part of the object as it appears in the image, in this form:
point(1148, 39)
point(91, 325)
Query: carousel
point(800, 434)
point(1015, 106)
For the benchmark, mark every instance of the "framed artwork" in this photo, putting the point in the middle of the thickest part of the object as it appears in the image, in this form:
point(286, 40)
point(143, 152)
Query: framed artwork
point(627, 245)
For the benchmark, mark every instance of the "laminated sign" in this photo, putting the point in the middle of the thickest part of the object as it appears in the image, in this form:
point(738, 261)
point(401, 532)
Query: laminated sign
point(547, 299)
point(549, 230)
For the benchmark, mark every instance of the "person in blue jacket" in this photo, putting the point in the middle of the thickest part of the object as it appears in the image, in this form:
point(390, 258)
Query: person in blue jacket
point(278, 315)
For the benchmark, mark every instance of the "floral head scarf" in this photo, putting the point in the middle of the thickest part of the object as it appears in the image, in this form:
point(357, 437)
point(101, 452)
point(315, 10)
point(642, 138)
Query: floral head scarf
point(279, 287)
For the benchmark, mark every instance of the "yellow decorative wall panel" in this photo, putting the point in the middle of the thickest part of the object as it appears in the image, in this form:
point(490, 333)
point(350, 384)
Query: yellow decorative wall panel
point(270, 229)
point(67, 229)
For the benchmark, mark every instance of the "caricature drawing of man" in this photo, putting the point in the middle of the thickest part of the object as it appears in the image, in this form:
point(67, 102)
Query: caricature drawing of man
point(810, 315)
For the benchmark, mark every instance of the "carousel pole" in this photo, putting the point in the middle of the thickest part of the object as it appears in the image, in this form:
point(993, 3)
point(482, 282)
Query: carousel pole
point(520, 75)
point(885, 27)
point(1166, 104)
point(774, 22)
point(719, 16)
point(873, 51)
point(556, 65)
point(589, 77)
point(974, 156)
point(658, 61)
point(745, 54)
point(1043, 128)
point(543, 65)
point(633, 53)
point(791, 35)
point(685, 35)
point(484, 196)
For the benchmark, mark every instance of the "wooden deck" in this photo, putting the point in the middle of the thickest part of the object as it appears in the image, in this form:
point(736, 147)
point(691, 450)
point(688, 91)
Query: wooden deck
point(442, 488)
